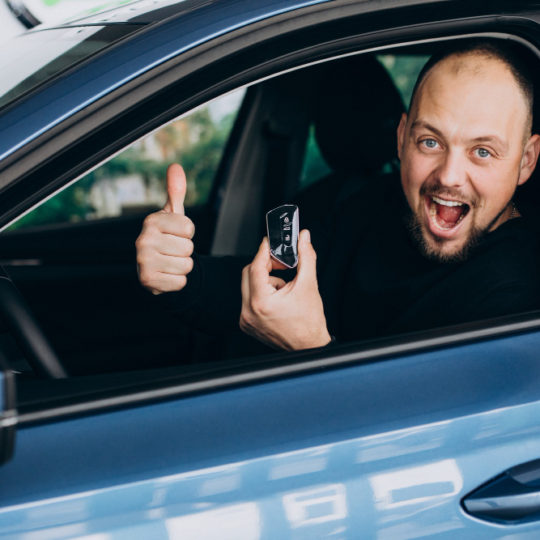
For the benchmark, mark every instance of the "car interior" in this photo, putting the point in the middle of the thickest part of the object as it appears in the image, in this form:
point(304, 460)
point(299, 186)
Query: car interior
point(80, 280)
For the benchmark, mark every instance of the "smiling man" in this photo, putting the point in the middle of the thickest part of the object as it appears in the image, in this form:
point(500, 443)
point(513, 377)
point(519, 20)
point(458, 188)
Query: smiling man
point(464, 148)
point(448, 246)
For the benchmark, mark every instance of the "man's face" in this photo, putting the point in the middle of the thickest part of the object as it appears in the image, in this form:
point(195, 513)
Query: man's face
point(463, 151)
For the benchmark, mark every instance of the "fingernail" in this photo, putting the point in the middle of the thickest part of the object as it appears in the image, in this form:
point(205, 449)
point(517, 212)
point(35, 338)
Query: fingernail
point(307, 236)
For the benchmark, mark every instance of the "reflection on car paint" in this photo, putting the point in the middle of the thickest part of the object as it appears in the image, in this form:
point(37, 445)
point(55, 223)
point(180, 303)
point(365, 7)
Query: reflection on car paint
point(316, 505)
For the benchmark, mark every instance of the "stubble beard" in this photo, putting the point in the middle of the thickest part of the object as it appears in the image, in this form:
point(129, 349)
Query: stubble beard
point(433, 249)
point(429, 248)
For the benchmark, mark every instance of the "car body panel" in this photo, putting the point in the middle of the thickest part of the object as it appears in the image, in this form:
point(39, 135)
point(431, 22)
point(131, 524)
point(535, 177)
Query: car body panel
point(305, 457)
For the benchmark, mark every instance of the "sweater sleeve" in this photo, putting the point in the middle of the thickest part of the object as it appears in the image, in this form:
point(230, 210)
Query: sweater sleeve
point(211, 300)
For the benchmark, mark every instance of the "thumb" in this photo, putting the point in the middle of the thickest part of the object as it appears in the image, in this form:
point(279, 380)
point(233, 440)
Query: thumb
point(307, 260)
point(176, 189)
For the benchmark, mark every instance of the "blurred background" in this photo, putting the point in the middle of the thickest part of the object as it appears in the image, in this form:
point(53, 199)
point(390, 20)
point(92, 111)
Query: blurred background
point(17, 15)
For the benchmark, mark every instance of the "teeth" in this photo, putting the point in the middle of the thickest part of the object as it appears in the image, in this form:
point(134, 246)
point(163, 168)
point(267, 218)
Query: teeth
point(446, 203)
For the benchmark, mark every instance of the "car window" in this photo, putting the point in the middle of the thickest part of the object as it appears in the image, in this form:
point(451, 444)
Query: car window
point(133, 181)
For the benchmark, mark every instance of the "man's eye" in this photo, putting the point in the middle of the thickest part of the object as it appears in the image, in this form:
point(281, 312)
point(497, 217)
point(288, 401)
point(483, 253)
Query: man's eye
point(482, 153)
point(429, 143)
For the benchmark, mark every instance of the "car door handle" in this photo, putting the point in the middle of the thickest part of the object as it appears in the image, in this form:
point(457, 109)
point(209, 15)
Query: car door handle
point(511, 498)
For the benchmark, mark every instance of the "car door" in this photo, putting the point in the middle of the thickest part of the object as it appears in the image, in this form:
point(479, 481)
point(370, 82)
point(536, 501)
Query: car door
point(380, 439)
point(384, 443)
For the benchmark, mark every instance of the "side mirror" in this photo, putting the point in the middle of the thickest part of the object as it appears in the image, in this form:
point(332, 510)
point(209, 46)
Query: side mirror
point(8, 412)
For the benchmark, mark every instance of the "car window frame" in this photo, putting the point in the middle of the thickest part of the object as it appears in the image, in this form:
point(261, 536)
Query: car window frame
point(279, 365)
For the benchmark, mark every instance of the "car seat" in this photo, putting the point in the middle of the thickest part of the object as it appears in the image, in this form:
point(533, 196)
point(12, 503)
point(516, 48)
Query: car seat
point(356, 111)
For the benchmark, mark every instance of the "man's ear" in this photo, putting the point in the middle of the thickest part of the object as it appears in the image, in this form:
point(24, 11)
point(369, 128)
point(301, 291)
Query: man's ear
point(529, 159)
point(401, 134)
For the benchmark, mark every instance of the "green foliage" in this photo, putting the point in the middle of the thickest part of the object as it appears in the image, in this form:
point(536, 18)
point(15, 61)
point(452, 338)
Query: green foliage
point(69, 205)
point(201, 160)
point(404, 70)
point(197, 142)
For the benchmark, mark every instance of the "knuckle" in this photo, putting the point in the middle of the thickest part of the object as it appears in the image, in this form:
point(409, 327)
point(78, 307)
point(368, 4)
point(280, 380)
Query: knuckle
point(258, 306)
point(189, 248)
point(145, 255)
point(142, 242)
point(190, 228)
point(245, 321)
point(141, 262)
point(151, 220)
point(145, 277)
point(242, 324)
point(189, 265)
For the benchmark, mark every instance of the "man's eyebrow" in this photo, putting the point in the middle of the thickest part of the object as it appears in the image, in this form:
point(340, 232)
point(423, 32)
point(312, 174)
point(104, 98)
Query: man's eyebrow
point(478, 140)
point(491, 139)
point(421, 124)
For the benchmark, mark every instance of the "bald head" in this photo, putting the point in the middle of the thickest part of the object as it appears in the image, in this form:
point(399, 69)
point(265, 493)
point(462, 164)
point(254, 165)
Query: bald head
point(481, 59)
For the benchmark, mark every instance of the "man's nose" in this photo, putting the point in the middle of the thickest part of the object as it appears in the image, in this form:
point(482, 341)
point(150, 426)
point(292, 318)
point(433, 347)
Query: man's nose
point(453, 169)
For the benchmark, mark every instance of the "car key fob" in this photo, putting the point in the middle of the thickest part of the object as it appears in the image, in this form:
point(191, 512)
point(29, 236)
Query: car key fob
point(282, 224)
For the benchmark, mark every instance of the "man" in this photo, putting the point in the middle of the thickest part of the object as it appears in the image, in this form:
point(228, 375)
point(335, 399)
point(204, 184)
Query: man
point(449, 246)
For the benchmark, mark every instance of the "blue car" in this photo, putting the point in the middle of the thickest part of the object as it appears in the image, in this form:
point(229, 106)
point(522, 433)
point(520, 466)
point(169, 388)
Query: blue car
point(116, 420)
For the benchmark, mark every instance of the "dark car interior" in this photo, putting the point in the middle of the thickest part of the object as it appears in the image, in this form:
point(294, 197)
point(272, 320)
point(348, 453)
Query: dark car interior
point(80, 279)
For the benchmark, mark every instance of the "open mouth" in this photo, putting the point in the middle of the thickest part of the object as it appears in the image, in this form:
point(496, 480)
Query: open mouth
point(446, 214)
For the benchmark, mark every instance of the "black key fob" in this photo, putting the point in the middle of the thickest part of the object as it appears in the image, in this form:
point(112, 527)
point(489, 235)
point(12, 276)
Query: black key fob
point(282, 225)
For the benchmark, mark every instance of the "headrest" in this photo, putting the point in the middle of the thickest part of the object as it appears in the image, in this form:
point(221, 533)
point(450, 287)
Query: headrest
point(357, 114)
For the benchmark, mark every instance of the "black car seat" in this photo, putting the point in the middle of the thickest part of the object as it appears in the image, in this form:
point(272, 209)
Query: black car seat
point(355, 114)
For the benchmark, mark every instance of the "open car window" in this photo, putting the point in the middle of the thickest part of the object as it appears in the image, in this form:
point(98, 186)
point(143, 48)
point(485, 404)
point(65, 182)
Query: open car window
point(132, 182)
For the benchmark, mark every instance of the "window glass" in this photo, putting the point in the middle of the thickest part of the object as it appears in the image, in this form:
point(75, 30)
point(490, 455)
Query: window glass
point(404, 70)
point(133, 181)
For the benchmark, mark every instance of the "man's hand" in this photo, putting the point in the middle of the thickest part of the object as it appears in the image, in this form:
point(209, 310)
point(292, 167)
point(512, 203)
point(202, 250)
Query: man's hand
point(164, 247)
point(284, 315)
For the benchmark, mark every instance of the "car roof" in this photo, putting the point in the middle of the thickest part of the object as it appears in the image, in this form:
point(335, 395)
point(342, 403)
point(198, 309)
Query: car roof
point(137, 11)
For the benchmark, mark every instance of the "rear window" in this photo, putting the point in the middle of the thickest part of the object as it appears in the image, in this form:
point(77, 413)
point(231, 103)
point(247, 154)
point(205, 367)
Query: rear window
point(31, 59)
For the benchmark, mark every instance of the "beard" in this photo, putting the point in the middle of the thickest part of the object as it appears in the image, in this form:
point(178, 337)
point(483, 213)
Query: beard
point(434, 249)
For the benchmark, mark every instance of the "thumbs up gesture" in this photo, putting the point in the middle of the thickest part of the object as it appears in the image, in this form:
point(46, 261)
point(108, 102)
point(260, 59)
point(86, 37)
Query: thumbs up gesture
point(165, 246)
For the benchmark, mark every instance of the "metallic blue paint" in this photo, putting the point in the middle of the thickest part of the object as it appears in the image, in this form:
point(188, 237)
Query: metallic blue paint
point(332, 454)
point(126, 61)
